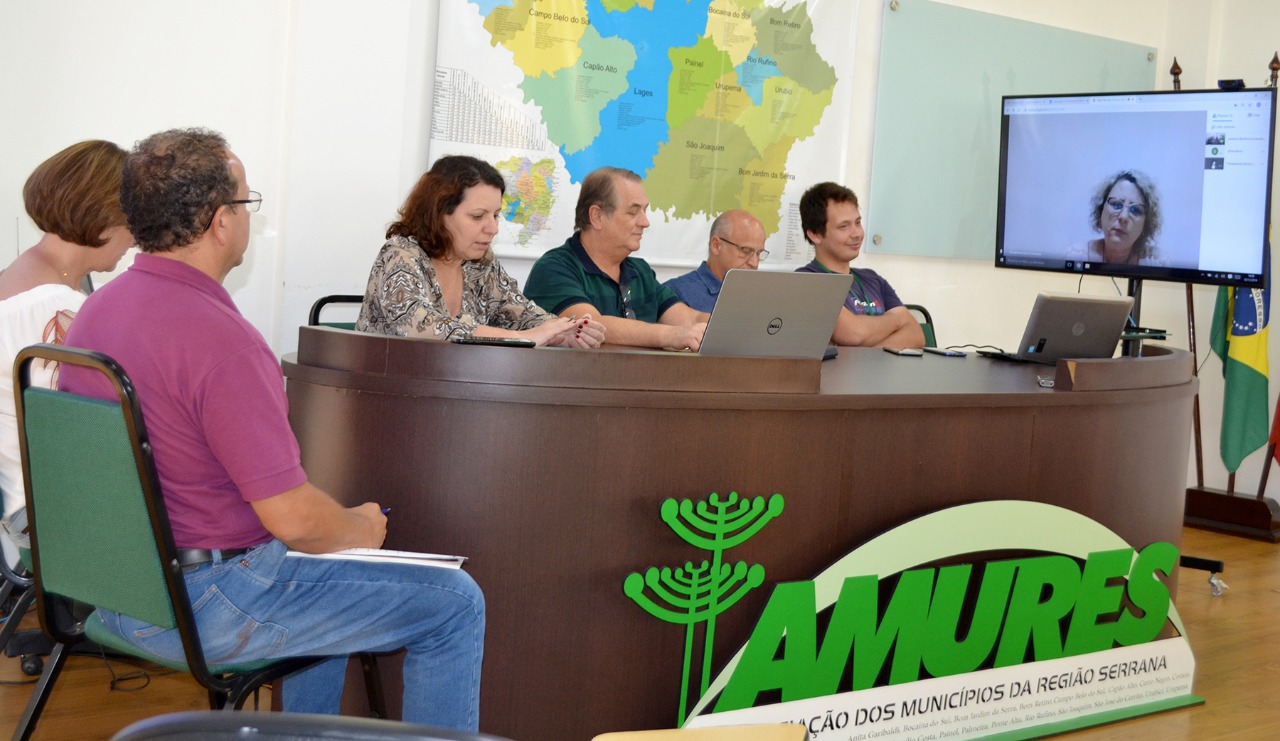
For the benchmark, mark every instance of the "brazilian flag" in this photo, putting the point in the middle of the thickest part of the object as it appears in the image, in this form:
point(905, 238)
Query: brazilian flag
point(1239, 338)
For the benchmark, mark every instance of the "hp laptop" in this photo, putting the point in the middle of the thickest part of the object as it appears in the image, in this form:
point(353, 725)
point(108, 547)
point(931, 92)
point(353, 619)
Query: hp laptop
point(1068, 325)
point(777, 315)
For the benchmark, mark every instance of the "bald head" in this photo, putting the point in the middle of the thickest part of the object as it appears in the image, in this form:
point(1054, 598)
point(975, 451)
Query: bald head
point(737, 238)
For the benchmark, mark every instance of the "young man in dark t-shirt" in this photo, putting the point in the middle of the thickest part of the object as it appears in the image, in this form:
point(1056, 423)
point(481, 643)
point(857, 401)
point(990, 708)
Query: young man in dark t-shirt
point(873, 315)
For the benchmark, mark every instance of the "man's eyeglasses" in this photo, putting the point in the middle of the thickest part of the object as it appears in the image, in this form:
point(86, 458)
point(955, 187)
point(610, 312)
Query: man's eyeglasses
point(747, 252)
point(251, 204)
point(624, 293)
point(1136, 210)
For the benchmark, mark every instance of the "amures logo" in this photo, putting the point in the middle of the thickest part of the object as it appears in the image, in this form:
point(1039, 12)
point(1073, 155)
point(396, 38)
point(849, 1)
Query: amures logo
point(925, 601)
point(928, 628)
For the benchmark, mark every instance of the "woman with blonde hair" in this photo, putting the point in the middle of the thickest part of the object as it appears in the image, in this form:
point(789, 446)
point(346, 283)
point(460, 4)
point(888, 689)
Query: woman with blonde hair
point(1125, 210)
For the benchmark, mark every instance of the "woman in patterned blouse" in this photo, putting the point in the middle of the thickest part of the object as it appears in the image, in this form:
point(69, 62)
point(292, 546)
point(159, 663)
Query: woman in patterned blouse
point(436, 275)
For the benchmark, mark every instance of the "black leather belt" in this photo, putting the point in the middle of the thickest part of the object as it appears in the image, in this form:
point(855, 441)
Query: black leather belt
point(190, 558)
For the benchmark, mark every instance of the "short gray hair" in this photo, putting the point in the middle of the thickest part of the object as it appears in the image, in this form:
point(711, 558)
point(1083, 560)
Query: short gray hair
point(598, 190)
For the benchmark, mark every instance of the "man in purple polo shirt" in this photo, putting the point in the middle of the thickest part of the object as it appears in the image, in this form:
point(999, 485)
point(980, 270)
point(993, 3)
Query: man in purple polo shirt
point(213, 399)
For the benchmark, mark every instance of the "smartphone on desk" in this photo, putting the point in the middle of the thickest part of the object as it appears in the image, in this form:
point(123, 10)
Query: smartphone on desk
point(910, 351)
point(499, 341)
point(946, 352)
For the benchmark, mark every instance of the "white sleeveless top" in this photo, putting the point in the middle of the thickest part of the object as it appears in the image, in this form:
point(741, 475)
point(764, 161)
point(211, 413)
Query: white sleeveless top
point(41, 314)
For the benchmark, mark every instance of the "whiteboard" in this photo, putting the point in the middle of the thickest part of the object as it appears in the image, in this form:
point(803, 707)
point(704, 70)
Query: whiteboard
point(943, 70)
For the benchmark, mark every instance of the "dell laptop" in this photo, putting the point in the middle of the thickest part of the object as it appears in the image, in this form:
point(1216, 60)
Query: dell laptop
point(778, 315)
point(1069, 325)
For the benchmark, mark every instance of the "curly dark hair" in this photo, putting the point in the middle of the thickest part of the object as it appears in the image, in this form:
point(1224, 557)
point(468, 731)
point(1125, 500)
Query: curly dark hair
point(813, 206)
point(173, 184)
point(75, 194)
point(1145, 243)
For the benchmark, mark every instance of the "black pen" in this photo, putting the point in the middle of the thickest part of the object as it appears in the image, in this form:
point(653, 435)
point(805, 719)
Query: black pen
point(385, 510)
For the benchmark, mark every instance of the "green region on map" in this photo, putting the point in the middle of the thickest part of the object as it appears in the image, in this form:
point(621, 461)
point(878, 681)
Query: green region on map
point(704, 98)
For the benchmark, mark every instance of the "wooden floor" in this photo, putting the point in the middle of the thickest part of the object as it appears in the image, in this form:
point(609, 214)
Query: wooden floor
point(1235, 638)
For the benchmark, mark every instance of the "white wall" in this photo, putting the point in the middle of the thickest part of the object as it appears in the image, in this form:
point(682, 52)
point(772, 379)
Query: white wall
point(359, 111)
point(80, 69)
point(328, 103)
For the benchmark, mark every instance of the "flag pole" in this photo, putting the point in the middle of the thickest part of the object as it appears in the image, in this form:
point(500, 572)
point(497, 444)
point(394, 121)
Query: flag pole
point(1274, 66)
point(1176, 72)
point(1266, 468)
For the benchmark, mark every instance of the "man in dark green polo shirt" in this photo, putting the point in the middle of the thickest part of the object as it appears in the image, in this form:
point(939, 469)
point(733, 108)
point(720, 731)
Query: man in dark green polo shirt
point(593, 272)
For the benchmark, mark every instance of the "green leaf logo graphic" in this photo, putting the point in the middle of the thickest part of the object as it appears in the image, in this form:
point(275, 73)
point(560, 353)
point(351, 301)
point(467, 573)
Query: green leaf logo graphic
point(689, 594)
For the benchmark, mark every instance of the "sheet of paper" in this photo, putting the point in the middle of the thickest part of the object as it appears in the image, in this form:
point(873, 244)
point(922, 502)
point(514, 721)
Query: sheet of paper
point(384, 555)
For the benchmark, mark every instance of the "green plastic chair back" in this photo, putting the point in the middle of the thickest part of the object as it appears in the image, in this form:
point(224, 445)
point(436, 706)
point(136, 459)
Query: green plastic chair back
point(313, 317)
point(926, 323)
point(100, 536)
point(94, 538)
point(929, 339)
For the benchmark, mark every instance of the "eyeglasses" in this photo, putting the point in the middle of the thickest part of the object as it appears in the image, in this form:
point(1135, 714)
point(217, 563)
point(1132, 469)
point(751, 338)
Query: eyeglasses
point(624, 293)
point(1136, 210)
point(747, 252)
point(252, 204)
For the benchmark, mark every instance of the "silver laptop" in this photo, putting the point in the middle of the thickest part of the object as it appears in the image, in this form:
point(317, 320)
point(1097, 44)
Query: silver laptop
point(1069, 325)
point(778, 315)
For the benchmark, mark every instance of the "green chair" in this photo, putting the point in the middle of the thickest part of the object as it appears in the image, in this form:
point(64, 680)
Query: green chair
point(100, 535)
point(923, 316)
point(313, 318)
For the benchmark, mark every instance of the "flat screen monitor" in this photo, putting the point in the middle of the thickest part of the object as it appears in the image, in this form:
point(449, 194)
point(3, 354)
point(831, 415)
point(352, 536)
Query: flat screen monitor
point(1171, 185)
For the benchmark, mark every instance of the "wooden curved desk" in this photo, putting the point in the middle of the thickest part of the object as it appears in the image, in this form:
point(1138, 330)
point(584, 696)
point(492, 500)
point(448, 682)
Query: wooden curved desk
point(547, 468)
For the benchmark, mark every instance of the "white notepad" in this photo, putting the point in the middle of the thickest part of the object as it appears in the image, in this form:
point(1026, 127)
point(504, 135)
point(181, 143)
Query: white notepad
point(383, 555)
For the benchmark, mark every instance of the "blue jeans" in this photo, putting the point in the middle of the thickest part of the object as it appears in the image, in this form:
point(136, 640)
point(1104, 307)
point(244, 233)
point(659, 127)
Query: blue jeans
point(264, 604)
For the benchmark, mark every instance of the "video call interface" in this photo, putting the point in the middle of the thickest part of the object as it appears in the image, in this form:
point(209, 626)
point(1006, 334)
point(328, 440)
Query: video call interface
point(1076, 172)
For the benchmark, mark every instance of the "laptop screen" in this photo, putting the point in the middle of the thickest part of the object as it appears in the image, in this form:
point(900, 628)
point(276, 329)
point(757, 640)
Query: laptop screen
point(782, 315)
point(1068, 325)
